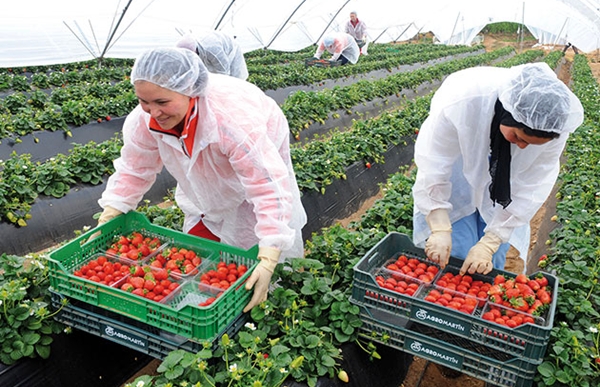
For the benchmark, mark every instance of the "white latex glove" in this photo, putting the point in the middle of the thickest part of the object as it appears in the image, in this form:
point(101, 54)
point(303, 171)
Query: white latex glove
point(107, 214)
point(479, 258)
point(261, 276)
point(439, 244)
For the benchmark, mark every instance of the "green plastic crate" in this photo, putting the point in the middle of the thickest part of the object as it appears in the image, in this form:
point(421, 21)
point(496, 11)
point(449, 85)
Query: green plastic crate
point(191, 321)
point(528, 340)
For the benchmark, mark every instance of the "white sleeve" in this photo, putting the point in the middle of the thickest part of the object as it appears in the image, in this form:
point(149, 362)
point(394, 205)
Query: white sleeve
point(436, 150)
point(136, 168)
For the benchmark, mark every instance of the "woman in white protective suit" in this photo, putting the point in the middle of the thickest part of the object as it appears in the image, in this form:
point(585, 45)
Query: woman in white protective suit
point(227, 145)
point(358, 30)
point(488, 156)
point(219, 52)
point(341, 46)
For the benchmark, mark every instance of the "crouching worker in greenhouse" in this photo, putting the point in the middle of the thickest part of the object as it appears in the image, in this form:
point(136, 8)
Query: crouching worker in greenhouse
point(488, 156)
point(341, 46)
point(227, 145)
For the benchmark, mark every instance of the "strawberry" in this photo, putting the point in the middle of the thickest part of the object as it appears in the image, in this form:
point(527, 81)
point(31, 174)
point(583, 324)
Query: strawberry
point(521, 278)
point(368, 165)
point(108, 118)
point(149, 285)
point(543, 281)
point(534, 285)
point(137, 282)
point(343, 376)
point(136, 271)
point(499, 279)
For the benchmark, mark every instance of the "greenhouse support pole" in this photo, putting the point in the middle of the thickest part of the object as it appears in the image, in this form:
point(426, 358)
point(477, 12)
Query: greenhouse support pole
point(379, 36)
point(331, 21)
point(284, 24)
point(402, 33)
point(223, 15)
point(112, 34)
point(560, 32)
point(453, 28)
point(521, 33)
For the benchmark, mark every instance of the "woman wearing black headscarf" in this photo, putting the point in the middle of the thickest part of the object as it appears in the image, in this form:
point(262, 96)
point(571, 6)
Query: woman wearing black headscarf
point(488, 156)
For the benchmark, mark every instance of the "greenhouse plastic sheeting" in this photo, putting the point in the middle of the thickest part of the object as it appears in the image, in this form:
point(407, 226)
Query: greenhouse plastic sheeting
point(40, 32)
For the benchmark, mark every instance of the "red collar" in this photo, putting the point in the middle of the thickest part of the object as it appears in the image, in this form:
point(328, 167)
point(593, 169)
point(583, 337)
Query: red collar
point(188, 133)
point(354, 23)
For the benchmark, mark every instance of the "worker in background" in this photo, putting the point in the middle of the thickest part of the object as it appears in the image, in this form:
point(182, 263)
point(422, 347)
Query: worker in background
point(226, 144)
point(219, 52)
point(358, 30)
point(488, 156)
point(341, 46)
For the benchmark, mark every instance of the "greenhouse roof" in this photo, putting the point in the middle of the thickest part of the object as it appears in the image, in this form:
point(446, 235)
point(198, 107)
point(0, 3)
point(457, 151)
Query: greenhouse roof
point(40, 32)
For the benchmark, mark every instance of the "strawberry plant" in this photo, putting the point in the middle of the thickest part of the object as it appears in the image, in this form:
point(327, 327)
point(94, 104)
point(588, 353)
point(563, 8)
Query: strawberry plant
point(53, 178)
point(37, 99)
point(5, 82)
point(26, 321)
point(251, 359)
point(20, 83)
point(572, 357)
point(50, 119)
point(40, 80)
point(15, 102)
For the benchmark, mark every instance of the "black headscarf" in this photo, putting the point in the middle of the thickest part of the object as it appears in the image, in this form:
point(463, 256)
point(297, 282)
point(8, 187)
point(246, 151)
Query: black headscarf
point(500, 158)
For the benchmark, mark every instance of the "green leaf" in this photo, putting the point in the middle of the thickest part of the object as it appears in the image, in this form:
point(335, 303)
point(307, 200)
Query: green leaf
point(546, 369)
point(31, 338)
point(278, 349)
point(311, 341)
point(43, 351)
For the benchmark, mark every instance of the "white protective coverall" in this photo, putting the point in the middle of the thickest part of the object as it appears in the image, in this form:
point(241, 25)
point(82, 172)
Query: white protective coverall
point(452, 152)
point(337, 44)
point(239, 174)
point(358, 32)
point(221, 54)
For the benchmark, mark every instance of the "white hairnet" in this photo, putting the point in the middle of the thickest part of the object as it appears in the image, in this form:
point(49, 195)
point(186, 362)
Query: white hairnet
point(537, 98)
point(219, 52)
point(176, 69)
point(328, 41)
point(188, 41)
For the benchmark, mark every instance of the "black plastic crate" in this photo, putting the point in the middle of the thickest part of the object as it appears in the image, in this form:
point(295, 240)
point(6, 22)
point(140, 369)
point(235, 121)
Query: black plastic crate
point(528, 341)
point(131, 333)
point(467, 356)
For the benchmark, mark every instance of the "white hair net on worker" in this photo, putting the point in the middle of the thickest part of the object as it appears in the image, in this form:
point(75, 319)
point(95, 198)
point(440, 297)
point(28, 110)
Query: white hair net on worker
point(328, 41)
point(189, 42)
point(537, 98)
point(175, 69)
point(219, 52)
